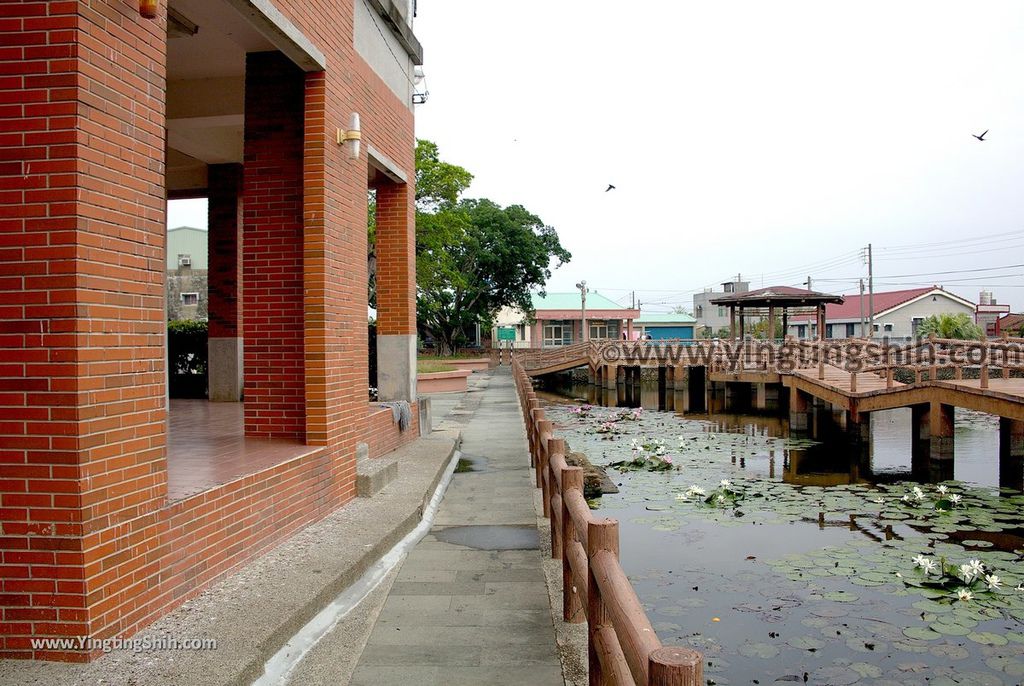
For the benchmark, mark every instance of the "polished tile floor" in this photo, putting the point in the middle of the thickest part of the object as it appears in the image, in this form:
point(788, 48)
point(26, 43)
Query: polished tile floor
point(207, 447)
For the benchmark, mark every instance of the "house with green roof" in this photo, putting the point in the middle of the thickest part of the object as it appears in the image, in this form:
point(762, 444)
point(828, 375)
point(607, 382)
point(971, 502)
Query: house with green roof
point(661, 326)
point(558, 320)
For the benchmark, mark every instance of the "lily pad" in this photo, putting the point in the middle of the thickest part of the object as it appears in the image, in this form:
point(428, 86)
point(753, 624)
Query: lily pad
point(921, 633)
point(762, 650)
point(987, 638)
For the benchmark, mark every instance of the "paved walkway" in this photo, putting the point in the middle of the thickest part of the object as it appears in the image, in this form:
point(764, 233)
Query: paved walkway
point(470, 605)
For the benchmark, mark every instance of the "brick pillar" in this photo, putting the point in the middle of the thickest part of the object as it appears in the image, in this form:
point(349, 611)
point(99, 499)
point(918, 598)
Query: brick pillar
point(396, 292)
point(82, 322)
point(225, 280)
point(272, 271)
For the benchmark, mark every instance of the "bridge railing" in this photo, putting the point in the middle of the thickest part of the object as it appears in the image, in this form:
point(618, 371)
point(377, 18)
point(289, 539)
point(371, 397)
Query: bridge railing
point(920, 360)
point(622, 647)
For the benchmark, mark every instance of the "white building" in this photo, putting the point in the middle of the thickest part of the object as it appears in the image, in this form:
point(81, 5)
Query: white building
point(897, 313)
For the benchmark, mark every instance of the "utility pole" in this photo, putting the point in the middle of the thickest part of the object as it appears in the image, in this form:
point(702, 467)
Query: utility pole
point(862, 333)
point(871, 295)
point(809, 283)
point(632, 300)
point(583, 309)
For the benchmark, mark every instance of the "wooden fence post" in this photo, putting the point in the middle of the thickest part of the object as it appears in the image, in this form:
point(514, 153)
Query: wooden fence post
point(601, 536)
point(676, 667)
point(557, 446)
point(572, 602)
point(544, 427)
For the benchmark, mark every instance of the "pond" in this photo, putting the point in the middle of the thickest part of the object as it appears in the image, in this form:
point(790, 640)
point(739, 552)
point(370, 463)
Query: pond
point(802, 568)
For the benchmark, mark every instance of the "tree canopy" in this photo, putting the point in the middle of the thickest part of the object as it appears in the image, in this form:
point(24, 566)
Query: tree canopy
point(473, 256)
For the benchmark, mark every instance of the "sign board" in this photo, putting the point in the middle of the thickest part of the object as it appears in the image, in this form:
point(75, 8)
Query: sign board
point(506, 333)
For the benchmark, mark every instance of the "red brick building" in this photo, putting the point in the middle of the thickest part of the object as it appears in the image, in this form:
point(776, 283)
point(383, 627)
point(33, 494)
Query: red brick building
point(115, 507)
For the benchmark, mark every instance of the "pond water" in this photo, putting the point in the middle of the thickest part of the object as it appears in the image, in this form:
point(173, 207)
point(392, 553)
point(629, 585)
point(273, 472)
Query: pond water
point(802, 570)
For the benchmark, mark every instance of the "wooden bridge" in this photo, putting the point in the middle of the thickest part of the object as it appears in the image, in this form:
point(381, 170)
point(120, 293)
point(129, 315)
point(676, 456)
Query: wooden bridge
point(842, 379)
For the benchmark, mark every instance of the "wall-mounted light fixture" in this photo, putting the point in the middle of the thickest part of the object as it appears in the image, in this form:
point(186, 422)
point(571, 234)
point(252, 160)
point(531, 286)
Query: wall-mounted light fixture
point(418, 77)
point(147, 8)
point(352, 137)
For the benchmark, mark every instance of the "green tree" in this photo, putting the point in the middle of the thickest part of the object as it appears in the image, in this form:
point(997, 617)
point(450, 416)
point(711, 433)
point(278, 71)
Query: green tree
point(473, 257)
point(476, 257)
point(957, 326)
point(439, 185)
point(760, 329)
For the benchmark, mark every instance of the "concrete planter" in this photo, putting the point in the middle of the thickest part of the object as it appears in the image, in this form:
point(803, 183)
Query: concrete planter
point(442, 382)
point(479, 364)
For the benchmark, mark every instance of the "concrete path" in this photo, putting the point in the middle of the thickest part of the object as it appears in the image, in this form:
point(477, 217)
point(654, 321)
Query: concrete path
point(470, 604)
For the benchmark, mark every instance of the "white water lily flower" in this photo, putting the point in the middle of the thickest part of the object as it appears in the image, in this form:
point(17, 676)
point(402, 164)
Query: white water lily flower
point(879, 501)
point(976, 567)
point(906, 497)
point(919, 561)
point(966, 573)
point(918, 493)
point(942, 489)
point(954, 499)
point(681, 496)
point(1019, 587)
point(929, 566)
point(695, 490)
point(964, 595)
point(992, 581)
point(725, 483)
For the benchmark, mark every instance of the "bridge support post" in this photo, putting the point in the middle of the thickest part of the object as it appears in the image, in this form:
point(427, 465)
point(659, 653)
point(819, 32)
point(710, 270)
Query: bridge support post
point(1011, 453)
point(761, 396)
point(932, 451)
point(940, 425)
point(682, 387)
point(799, 411)
point(858, 433)
point(611, 376)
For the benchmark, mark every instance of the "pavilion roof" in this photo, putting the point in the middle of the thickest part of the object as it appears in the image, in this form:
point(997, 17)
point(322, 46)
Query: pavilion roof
point(778, 296)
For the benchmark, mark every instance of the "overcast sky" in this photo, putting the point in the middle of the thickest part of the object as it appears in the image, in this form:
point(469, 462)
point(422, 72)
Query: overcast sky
point(772, 139)
point(753, 137)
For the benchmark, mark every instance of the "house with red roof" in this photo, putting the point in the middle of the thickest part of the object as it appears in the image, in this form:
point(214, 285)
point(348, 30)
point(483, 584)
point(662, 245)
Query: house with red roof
point(897, 313)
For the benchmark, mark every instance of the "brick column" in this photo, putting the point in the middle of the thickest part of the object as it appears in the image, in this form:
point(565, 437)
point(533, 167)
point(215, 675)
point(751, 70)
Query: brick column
point(396, 292)
point(224, 283)
point(272, 271)
point(82, 322)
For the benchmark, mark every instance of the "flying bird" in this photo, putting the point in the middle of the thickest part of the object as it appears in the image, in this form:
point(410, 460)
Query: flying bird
point(981, 137)
point(611, 187)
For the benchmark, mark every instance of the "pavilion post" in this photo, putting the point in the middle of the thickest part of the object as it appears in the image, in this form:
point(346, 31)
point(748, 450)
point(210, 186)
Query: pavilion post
point(732, 322)
point(771, 323)
point(743, 333)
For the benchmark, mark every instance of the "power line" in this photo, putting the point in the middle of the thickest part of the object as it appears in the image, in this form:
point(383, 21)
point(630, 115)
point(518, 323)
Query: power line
point(966, 239)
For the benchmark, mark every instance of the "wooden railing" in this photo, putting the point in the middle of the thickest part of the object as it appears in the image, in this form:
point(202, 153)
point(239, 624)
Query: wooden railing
point(622, 647)
point(923, 359)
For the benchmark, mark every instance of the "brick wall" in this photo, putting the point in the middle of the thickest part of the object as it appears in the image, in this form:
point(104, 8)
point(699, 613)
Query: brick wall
point(90, 544)
point(81, 275)
point(382, 433)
